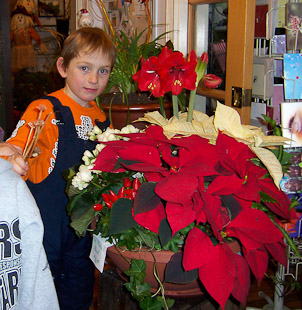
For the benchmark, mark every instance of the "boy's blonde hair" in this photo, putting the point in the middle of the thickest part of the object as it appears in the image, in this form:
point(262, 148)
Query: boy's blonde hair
point(88, 40)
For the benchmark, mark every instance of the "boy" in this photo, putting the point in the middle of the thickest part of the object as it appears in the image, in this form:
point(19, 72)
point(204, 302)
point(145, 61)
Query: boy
point(86, 61)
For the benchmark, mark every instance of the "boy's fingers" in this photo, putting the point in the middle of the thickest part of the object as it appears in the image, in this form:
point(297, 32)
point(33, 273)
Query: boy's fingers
point(7, 150)
point(19, 165)
point(13, 154)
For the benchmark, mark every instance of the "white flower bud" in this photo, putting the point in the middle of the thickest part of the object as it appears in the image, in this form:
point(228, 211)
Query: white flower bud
point(100, 137)
point(86, 160)
point(125, 130)
point(88, 154)
point(96, 130)
point(111, 137)
point(100, 146)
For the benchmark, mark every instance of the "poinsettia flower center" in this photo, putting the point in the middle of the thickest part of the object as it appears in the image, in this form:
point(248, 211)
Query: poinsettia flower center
point(245, 179)
point(174, 169)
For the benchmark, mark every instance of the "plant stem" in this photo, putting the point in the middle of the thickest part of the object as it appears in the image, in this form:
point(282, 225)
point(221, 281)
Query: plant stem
point(162, 108)
point(175, 105)
point(191, 105)
point(125, 93)
point(155, 272)
point(125, 258)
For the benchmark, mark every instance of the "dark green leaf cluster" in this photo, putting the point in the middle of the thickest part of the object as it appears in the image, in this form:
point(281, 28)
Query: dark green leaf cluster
point(129, 55)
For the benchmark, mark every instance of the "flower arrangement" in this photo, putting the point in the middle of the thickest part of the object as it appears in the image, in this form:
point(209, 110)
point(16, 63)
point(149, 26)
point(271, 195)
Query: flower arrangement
point(191, 184)
point(157, 64)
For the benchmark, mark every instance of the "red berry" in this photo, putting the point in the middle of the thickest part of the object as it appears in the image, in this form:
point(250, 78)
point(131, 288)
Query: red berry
point(121, 193)
point(98, 207)
point(113, 196)
point(136, 184)
point(127, 182)
point(106, 197)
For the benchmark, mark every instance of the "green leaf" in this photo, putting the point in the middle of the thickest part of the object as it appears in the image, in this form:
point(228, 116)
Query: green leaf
point(152, 303)
point(148, 238)
point(267, 198)
point(79, 204)
point(121, 217)
point(145, 199)
point(81, 224)
point(137, 269)
point(139, 290)
point(165, 232)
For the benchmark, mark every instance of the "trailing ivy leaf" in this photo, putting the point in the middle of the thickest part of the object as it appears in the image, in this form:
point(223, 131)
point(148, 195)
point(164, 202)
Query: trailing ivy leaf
point(139, 290)
point(121, 217)
point(81, 224)
point(175, 272)
point(137, 269)
point(145, 199)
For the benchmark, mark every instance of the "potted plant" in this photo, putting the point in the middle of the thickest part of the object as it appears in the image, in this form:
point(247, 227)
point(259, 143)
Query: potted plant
point(122, 101)
point(192, 184)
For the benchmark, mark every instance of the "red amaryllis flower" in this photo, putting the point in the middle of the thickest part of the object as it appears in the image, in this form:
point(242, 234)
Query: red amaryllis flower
point(147, 78)
point(153, 74)
point(181, 73)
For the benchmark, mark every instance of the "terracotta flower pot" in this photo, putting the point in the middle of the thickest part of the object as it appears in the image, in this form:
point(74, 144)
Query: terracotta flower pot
point(162, 258)
point(139, 104)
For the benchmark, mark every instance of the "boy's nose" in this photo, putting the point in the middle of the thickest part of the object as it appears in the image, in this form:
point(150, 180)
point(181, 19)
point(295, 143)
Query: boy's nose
point(93, 78)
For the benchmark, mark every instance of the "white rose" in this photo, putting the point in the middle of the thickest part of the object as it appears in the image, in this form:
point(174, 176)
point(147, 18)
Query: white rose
point(84, 173)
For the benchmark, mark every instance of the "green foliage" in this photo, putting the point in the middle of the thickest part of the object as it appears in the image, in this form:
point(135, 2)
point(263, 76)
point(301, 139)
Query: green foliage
point(140, 290)
point(129, 55)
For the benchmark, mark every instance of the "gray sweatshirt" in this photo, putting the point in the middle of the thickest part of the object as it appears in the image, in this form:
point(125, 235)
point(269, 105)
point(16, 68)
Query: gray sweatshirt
point(25, 278)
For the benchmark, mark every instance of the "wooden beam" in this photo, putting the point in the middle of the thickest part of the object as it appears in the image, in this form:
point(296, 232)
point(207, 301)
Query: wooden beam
point(194, 2)
point(240, 51)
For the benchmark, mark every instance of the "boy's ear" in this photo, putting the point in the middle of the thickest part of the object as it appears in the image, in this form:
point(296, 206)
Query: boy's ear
point(61, 67)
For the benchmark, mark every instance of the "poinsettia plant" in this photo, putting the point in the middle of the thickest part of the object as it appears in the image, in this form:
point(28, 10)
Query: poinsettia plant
point(188, 195)
point(192, 185)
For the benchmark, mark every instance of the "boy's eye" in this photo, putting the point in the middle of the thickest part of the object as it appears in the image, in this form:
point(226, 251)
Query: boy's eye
point(84, 68)
point(103, 71)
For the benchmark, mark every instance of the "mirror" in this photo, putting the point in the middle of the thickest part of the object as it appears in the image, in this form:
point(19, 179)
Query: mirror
point(210, 34)
point(239, 54)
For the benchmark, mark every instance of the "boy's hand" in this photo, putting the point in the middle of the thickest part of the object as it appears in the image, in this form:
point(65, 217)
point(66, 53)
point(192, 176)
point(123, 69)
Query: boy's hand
point(14, 155)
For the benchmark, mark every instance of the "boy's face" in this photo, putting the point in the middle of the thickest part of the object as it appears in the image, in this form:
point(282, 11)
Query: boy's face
point(86, 76)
